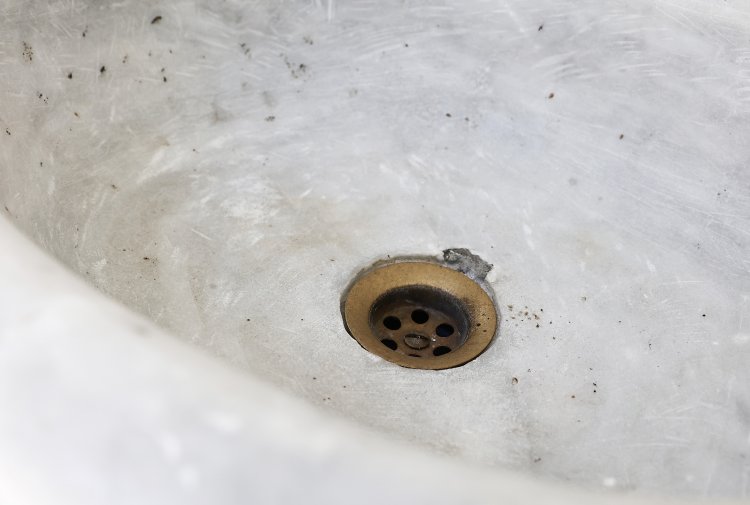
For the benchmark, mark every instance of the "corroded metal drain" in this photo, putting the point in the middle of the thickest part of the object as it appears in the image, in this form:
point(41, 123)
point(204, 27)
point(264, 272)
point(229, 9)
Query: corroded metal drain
point(420, 313)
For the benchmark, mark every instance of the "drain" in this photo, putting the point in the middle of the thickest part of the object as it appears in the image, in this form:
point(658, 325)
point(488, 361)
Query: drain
point(419, 314)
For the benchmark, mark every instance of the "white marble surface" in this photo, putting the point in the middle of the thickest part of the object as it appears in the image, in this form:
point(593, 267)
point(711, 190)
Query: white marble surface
point(226, 169)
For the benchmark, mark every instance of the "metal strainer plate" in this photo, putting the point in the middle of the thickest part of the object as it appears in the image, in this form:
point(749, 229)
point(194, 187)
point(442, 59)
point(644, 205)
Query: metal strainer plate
point(420, 314)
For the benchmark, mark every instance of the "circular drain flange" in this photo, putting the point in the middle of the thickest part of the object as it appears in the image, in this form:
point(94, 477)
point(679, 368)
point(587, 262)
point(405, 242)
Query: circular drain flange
point(419, 314)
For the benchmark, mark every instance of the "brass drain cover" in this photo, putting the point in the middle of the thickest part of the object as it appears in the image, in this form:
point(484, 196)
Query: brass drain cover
point(419, 314)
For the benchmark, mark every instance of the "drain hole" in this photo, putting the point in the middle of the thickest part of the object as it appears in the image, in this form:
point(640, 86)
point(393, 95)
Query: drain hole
point(392, 323)
point(418, 320)
point(392, 345)
point(439, 351)
point(444, 330)
point(419, 316)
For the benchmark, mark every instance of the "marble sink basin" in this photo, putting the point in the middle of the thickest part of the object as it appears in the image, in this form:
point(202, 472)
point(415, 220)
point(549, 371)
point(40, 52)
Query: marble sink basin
point(187, 188)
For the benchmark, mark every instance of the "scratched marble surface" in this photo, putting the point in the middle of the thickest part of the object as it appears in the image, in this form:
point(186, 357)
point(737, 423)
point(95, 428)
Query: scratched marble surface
point(225, 168)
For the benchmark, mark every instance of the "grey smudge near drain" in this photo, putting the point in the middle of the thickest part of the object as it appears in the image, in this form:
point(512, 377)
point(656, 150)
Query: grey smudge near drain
point(466, 262)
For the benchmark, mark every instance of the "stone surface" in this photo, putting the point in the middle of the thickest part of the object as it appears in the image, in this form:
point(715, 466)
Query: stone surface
point(225, 168)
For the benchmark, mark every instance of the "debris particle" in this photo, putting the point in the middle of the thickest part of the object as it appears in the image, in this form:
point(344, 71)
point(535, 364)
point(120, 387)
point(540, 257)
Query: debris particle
point(448, 114)
point(28, 52)
point(541, 27)
point(85, 31)
point(622, 136)
point(296, 70)
point(103, 69)
point(514, 381)
point(156, 20)
point(467, 263)
point(270, 118)
point(7, 131)
point(551, 96)
point(164, 79)
point(70, 75)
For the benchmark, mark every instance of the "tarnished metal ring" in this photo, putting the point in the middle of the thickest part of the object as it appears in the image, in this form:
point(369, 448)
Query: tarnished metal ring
point(438, 290)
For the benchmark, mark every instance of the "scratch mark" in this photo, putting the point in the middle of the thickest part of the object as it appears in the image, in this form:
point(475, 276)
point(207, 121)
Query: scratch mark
point(202, 235)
